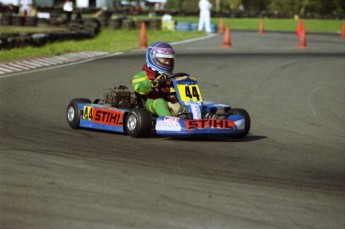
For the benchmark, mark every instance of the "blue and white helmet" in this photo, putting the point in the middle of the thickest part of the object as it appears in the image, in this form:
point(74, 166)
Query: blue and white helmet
point(160, 57)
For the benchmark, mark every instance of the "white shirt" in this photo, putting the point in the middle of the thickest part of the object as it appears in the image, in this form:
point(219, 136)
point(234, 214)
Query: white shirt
point(26, 2)
point(205, 5)
point(68, 6)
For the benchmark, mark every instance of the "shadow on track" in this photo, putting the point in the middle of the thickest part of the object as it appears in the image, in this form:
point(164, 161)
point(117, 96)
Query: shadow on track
point(248, 138)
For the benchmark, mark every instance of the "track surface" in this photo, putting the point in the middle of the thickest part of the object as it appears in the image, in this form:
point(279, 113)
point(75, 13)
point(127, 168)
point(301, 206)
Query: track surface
point(288, 173)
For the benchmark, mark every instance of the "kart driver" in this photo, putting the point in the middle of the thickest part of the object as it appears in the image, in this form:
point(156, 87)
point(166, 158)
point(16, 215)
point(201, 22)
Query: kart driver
point(155, 86)
point(153, 83)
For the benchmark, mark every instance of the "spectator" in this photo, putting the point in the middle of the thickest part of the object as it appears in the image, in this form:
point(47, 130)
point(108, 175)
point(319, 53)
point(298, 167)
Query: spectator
point(68, 9)
point(26, 7)
point(13, 7)
point(205, 15)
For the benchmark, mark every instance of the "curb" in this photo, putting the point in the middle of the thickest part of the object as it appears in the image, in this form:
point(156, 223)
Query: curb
point(32, 64)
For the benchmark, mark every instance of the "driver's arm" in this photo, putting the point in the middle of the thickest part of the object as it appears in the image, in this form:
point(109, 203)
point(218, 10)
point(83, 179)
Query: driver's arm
point(142, 84)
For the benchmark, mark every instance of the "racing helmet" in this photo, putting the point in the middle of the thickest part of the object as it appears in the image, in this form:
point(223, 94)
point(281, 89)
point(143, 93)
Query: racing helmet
point(160, 57)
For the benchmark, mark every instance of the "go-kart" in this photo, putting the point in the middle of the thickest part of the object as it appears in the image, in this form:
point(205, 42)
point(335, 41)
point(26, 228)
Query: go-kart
point(130, 115)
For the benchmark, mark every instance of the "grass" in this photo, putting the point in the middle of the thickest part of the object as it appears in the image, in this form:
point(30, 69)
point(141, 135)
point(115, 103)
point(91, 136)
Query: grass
point(24, 29)
point(122, 40)
point(108, 40)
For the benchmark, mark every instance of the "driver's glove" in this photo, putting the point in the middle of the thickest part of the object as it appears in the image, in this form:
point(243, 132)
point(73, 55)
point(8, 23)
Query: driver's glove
point(160, 80)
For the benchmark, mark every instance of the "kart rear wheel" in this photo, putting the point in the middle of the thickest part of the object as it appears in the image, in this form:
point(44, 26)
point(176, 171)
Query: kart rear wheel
point(244, 113)
point(73, 114)
point(138, 122)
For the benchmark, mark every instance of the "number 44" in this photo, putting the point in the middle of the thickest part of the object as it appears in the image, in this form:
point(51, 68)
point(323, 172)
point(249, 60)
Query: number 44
point(192, 91)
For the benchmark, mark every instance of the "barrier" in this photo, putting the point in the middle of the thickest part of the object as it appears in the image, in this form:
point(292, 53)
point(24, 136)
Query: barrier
point(168, 25)
point(77, 30)
point(31, 21)
point(155, 24)
point(18, 20)
point(183, 26)
point(194, 26)
point(213, 28)
point(115, 23)
point(6, 19)
point(128, 24)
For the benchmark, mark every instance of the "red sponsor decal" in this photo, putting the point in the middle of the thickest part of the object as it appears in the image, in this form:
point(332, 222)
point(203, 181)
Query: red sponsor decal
point(108, 117)
point(212, 123)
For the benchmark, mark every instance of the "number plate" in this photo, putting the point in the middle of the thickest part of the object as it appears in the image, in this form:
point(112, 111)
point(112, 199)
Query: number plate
point(189, 92)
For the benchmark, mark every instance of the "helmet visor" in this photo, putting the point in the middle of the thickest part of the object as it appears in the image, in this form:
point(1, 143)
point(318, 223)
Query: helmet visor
point(166, 61)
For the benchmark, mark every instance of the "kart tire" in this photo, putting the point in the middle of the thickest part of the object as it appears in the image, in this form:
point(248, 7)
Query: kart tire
point(244, 113)
point(138, 122)
point(73, 113)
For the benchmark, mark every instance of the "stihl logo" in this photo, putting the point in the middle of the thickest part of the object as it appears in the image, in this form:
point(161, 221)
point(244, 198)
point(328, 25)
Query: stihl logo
point(212, 123)
point(103, 116)
point(107, 117)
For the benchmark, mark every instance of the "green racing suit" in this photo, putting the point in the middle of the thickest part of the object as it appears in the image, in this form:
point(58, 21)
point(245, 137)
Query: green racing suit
point(156, 98)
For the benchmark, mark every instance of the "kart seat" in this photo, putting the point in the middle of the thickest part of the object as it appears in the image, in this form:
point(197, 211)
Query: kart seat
point(141, 100)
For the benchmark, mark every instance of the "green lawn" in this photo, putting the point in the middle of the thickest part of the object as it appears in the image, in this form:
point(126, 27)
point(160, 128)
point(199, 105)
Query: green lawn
point(108, 40)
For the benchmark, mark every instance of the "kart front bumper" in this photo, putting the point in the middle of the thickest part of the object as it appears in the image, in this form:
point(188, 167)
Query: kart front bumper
point(173, 126)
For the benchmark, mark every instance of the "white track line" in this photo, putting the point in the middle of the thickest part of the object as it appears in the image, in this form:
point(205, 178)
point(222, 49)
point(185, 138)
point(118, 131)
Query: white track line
point(51, 63)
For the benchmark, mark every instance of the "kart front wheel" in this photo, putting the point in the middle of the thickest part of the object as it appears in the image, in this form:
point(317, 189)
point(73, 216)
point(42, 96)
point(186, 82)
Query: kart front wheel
point(244, 113)
point(138, 122)
point(73, 114)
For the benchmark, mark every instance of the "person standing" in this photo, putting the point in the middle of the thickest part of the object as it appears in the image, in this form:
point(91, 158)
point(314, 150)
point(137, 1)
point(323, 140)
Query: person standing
point(26, 7)
point(205, 15)
point(68, 9)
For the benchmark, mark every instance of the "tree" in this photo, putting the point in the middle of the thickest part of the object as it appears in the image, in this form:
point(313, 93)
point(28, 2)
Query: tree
point(175, 4)
point(190, 5)
point(256, 5)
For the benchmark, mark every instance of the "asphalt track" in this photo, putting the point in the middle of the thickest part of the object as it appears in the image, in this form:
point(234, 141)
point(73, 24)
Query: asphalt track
point(288, 173)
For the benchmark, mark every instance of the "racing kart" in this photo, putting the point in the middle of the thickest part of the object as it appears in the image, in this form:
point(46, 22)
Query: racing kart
point(129, 115)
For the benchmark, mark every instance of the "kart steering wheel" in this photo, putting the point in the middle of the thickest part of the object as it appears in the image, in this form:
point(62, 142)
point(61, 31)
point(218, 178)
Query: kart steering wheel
point(172, 76)
point(175, 75)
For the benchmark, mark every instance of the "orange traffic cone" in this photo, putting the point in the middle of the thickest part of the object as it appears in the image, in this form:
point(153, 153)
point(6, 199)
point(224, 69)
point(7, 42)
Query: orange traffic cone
point(342, 34)
point(143, 38)
point(300, 28)
point(261, 27)
point(227, 38)
point(221, 26)
point(302, 40)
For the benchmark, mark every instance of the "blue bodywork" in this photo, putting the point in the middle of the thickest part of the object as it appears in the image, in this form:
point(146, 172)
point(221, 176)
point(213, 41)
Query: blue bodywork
point(168, 126)
point(106, 121)
point(188, 94)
